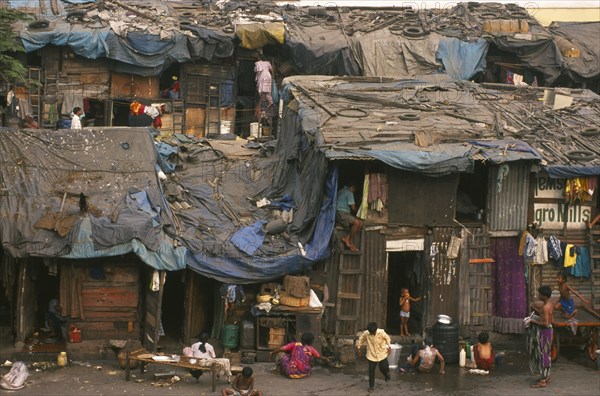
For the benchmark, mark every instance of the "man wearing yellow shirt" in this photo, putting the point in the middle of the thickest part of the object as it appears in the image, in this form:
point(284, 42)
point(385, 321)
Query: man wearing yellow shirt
point(378, 348)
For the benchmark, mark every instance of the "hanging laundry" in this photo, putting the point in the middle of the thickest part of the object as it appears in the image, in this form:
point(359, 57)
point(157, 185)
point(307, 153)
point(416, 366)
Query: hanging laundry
point(264, 80)
point(541, 251)
point(570, 256)
point(578, 189)
point(554, 250)
point(583, 264)
point(530, 247)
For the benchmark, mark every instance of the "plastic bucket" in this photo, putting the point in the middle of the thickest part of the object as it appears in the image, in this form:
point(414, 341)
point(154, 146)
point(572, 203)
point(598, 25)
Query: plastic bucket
point(225, 127)
point(231, 335)
point(74, 335)
point(394, 355)
point(254, 129)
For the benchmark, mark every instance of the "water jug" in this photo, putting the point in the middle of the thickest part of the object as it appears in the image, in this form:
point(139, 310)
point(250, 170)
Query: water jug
point(462, 360)
point(62, 359)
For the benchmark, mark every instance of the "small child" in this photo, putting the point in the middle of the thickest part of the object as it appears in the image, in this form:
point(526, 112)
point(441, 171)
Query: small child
point(484, 352)
point(405, 300)
point(566, 303)
point(242, 384)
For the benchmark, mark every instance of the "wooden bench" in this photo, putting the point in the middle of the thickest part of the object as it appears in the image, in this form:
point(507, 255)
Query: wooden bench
point(145, 358)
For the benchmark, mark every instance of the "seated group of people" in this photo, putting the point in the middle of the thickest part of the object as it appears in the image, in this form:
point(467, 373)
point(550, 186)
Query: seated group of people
point(422, 358)
point(292, 360)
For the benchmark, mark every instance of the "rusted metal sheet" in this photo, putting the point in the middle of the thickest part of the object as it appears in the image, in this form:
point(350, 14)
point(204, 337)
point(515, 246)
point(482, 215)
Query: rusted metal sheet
point(443, 277)
point(508, 197)
point(374, 296)
point(421, 200)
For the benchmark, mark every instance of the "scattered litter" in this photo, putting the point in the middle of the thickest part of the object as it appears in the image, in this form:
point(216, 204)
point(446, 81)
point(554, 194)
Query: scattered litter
point(140, 380)
point(263, 202)
point(112, 372)
point(478, 371)
point(8, 363)
point(98, 367)
point(42, 366)
point(166, 382)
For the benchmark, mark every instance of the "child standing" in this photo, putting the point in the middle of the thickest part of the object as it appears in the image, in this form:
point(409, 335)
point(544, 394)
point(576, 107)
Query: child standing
point(405, 300)
point(566, 303)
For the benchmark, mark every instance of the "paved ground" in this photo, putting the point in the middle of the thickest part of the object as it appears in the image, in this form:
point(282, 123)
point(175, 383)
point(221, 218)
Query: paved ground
point(573, 374)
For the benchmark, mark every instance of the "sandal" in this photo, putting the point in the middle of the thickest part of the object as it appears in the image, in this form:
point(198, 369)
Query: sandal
point(539, 384)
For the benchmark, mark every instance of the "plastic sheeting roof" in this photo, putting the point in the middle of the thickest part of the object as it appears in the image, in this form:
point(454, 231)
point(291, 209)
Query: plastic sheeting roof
point(43, 173)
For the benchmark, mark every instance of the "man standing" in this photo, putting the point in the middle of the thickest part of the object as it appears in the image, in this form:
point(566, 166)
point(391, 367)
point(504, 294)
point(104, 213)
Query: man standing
point(378, 348)
point(539, 337)
point(76, 121)
point(344, 208)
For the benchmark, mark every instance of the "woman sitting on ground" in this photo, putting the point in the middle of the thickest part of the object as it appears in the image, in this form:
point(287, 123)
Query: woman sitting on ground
point(293, 359)
point(205, 353)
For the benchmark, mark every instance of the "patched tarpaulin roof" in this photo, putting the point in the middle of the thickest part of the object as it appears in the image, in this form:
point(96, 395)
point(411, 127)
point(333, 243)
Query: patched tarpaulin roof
point(585, 37)
point(331, 40)
point(432, 123)
point(82, 194)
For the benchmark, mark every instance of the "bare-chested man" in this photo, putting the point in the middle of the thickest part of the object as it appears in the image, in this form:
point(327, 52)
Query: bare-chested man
point(544, 322)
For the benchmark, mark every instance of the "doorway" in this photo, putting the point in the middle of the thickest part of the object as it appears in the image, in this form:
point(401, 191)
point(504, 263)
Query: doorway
point(173, 306)
point(405, 270)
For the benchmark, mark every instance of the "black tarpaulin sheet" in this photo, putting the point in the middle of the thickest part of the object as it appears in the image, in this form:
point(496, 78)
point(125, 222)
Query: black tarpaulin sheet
point(586, 36)
point(539, 53)
point(43, 173)
point(317, 50)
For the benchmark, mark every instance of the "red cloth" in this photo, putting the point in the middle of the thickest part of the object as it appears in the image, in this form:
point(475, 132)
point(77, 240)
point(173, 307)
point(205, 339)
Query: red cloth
point(483, 364)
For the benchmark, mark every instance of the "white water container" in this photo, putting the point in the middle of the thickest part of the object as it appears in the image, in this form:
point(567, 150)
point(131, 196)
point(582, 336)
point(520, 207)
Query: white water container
point(462, 358)
point(225, 127)
point(254, 129)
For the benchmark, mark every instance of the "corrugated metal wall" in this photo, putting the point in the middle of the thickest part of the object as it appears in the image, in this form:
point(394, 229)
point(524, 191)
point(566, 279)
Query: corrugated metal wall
point(507, 209)
point(443, 280)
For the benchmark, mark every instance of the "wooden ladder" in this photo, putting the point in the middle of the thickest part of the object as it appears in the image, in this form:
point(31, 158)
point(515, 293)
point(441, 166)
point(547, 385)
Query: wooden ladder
point(349, 290)
point(213, 104)
point(178, 112)
point(34, 92)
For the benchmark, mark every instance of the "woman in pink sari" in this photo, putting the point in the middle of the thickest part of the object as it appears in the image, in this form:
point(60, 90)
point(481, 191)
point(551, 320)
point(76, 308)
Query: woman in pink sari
point(293, 359)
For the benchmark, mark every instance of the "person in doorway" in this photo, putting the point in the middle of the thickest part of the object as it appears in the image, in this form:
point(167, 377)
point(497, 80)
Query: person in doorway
point(484, 352)
point(242, 385)
point(55, 320)
point(205, 353)
point(293, 359)
point(378, 349)
point(566, 303)
point(344, 208)
point(541, 335)
point(424, 359)
point(405, 300)
point(76, 120)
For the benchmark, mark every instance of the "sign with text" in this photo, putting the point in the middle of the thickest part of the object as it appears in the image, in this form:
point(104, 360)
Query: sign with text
point(546, 187)
point(554, 215)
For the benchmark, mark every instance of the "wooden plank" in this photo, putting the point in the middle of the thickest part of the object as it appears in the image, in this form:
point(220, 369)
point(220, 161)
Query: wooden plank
point(481, 261)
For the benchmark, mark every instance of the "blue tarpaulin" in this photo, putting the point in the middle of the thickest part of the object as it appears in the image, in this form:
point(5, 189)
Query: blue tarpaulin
point(251, 269)
point(462, 59)
point(249, 238)
point(568, 171)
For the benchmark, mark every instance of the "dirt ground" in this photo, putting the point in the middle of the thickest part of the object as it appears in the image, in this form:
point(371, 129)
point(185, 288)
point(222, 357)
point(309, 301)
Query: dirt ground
point(572, 374)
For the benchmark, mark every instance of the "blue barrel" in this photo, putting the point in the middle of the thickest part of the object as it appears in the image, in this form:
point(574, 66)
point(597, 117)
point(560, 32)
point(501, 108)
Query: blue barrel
point(64, 123)
point(231, 336)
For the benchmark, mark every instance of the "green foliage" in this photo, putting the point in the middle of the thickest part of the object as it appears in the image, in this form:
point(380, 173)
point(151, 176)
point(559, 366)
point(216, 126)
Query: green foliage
point(11, 70)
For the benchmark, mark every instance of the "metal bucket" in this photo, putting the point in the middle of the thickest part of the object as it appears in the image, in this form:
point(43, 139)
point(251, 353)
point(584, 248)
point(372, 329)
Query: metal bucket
point(394, 355)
